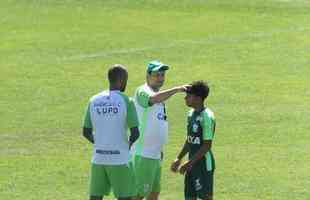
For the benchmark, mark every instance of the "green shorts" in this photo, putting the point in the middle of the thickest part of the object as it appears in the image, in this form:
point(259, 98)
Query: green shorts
point(148, 175)
point(119, 178)
point(198, 182)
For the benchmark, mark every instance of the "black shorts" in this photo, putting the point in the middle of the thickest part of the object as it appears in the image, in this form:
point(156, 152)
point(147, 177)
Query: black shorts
point(198, 182)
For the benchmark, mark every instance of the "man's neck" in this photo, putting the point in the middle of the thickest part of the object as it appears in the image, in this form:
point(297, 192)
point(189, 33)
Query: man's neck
point(114, 88)
point(155, 89)
point(199, 108)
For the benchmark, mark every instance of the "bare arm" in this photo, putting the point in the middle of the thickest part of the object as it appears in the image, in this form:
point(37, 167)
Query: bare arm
point(176, 163)
point(201, 152)
point(184, 151)
point(134, 135)
point(88, 134)
point(165, 94)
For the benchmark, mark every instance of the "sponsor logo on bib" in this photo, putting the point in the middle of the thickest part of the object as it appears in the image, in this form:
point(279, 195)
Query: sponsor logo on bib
point(107, 108)
point(161, 116)
point(107, 152)
point(195, 128)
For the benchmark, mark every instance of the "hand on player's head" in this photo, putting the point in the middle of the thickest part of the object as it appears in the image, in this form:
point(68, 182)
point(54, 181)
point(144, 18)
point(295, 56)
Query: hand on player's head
point(183, 88)
point(187, 87)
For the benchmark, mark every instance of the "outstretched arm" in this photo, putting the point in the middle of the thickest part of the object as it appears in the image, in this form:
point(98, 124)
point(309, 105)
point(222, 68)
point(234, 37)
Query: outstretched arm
point(165, 94)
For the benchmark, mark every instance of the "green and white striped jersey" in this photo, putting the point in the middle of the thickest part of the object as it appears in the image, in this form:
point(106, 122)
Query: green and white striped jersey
point(200, 127)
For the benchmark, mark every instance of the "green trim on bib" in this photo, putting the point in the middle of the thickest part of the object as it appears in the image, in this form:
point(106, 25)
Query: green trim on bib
point(142, 97)
point(139, 145)
point(132, 117)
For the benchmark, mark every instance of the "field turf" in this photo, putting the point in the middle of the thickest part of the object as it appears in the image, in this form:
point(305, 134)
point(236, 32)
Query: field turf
point(255, 54)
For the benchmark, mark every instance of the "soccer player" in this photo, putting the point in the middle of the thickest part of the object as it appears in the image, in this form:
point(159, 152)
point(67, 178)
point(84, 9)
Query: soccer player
point(147, 151)
point(199, 169)
point(109, 114)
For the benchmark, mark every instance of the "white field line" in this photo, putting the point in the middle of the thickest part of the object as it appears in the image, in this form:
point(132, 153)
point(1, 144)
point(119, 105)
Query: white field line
point(293, 1)
point(214, 39)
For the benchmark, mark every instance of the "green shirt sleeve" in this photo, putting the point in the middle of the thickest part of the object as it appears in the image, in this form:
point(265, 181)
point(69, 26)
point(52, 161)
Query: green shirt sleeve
point(132, 118)
point(142, 97)
point(208, 126)
point(87, 121)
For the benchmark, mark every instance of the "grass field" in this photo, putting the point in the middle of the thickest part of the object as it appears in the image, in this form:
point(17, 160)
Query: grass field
point(255, 54)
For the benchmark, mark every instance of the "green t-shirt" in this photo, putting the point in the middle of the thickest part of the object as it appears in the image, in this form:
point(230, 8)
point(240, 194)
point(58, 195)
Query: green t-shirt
point(201, 127)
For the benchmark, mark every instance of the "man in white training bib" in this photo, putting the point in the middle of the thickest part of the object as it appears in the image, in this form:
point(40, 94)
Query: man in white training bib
point(108, 116)
point(147, 151)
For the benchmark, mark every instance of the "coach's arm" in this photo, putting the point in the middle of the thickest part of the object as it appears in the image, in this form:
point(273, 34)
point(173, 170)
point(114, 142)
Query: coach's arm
point(165, 94)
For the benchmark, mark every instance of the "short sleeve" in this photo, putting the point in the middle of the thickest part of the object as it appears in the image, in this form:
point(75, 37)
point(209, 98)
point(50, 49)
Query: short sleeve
point(142, 97)
point(87, 120)
point(208, 126)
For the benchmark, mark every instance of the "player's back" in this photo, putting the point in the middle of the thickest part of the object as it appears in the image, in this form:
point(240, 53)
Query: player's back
point(108, 111)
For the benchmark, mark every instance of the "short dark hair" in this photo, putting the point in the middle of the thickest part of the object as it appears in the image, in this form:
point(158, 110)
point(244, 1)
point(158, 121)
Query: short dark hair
point(116, 72)
point(199, 88)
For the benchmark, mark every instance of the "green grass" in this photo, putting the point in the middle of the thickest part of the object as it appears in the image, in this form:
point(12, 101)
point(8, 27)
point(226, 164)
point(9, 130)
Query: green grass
point(255, 54)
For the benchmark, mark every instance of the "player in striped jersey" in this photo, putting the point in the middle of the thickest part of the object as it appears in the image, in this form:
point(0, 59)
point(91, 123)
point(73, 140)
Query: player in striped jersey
point(199, 169)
